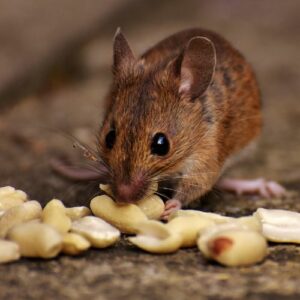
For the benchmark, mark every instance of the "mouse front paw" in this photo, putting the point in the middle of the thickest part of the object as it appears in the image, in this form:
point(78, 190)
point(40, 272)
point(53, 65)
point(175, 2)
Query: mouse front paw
point(170, 206)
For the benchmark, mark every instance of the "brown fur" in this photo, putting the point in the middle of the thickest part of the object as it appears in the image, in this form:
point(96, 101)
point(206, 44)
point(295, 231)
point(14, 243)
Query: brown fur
point(203, 131)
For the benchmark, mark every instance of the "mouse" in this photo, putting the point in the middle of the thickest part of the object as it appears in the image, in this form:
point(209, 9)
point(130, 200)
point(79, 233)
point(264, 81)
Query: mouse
point(178, 115)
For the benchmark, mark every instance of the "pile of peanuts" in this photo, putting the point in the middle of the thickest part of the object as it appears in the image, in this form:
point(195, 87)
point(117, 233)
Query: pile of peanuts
point(28, 230)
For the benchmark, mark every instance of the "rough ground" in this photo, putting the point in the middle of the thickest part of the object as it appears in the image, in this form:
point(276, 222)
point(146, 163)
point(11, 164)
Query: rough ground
point(39, 34)
point(37, 127)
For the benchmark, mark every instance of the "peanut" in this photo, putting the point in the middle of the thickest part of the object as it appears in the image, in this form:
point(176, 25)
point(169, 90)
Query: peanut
point(9, 251)
point(77, 212)
point(279, 225)
point(211, 216)
point(54, 214)
point(36, 239)
point(10, 197)
point(155, 237)
point(152, 207)
point(189, 227)
point(19, 214)
point(125, 217)
point(106, 188)
point(98, 232)
point(232, 245)
point(74, 244)
point(251, 222)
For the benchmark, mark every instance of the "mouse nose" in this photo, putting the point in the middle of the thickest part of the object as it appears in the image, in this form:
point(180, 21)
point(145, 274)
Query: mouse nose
point(130, 192)
point(125, 193)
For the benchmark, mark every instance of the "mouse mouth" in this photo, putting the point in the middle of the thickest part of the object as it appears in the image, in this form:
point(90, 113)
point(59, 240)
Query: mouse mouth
point(126, 192)
point(130, 192)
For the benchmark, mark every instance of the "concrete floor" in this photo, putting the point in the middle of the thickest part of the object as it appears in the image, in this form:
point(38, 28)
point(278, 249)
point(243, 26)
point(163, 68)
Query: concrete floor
point(35, 128)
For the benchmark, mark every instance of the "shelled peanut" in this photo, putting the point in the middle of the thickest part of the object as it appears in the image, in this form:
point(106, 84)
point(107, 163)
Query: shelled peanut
point(19, 214)
point(36, 232)
point(74, 244)
point(278, 225)
point(127, 217)
point(98, 232)
point(154, 237)
point(187, 225)
point(55, 215)
point(9, 251)
point(36, 239)
point(10, 197)
point(232, 245)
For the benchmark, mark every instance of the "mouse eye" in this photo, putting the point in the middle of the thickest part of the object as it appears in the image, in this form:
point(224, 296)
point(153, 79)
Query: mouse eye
point(160, 144)
point(110, 139)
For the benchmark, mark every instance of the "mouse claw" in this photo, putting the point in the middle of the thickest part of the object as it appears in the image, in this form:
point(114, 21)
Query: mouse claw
point(276, 189)
point(171, 205)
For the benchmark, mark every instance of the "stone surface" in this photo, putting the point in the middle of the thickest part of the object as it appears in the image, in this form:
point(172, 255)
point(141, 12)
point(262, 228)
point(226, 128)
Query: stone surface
point(40, 125)
point(34, 35)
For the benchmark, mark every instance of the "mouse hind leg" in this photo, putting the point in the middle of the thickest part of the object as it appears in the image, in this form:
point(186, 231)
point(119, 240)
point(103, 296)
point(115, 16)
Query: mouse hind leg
point(259, 187)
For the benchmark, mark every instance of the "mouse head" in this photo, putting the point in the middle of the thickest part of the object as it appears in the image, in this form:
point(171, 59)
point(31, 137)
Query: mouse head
point(155, 119)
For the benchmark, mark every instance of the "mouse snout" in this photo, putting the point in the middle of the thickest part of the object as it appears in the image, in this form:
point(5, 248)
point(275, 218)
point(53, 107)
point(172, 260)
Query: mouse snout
point(130, 192)
point(125, 193)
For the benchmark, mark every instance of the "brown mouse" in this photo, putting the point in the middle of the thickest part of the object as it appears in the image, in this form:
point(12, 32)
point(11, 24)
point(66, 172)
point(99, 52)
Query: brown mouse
point(178, 115)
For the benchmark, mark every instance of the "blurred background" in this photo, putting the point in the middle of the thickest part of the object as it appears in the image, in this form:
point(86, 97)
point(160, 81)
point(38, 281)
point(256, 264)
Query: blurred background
point(55, 58)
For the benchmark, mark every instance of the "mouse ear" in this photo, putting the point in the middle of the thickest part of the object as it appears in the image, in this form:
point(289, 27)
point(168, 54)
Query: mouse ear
point(122, 54)
point(198, 64)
